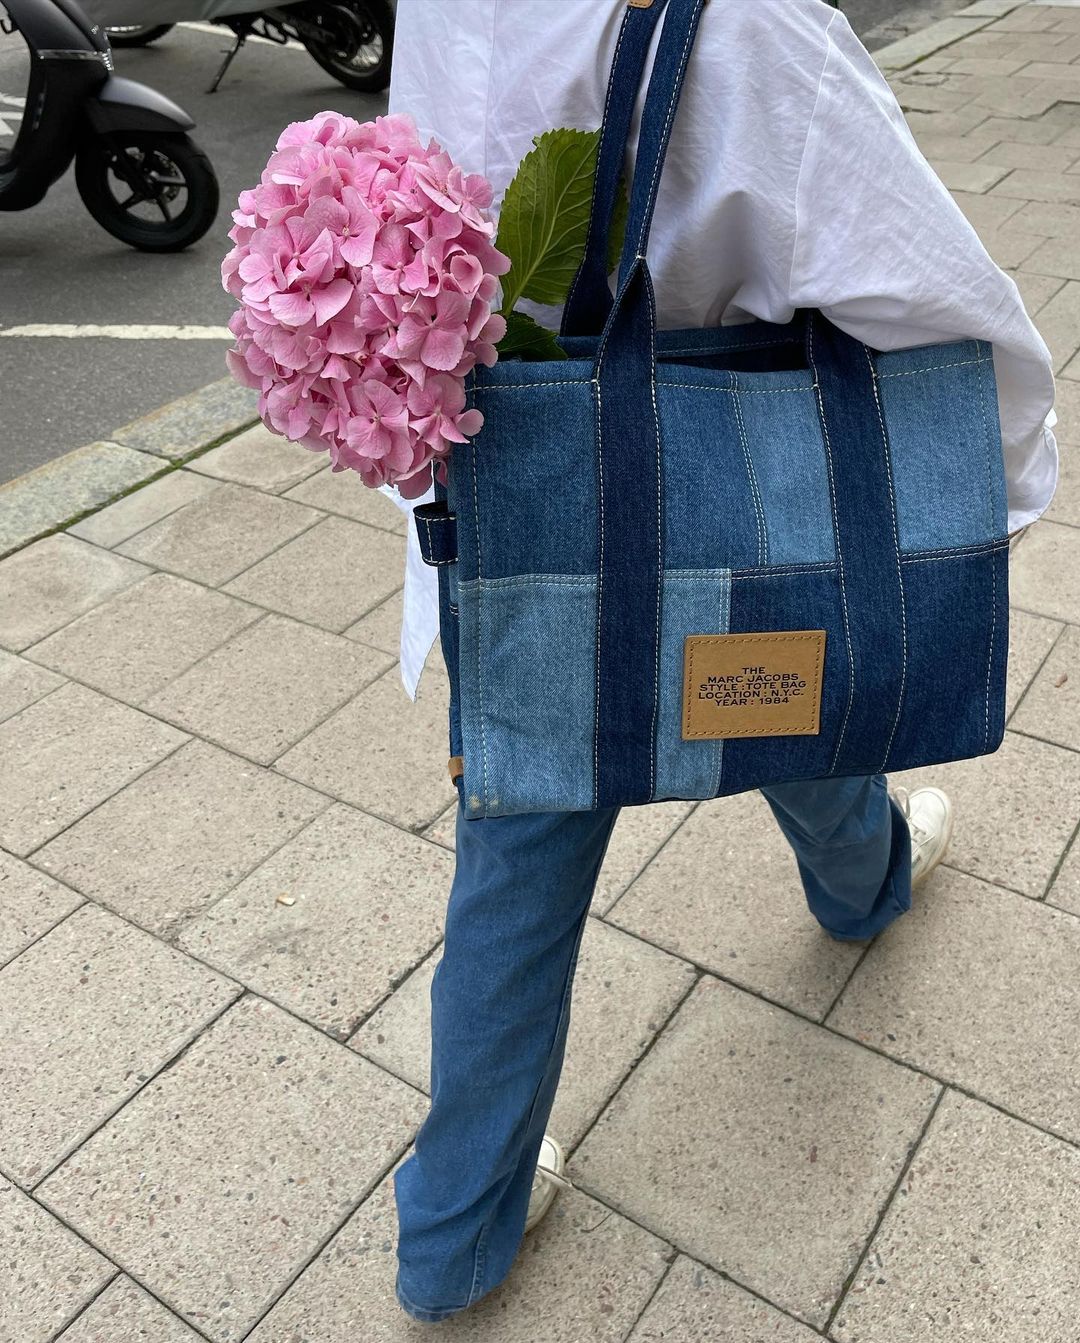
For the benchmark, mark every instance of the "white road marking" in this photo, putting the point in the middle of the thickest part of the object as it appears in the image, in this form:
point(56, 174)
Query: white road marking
point(10, 121)
point(6, 100)
point(120, 332)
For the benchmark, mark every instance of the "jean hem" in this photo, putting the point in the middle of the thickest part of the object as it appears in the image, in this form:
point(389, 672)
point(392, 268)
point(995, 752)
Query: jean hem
point(422, 1313)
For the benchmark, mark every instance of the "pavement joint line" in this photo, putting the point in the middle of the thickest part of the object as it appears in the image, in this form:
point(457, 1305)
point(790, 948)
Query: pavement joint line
point(1065, 627)
point(83, 900)
point(883, 1212)
point(401, 979)
point(655, 1291)
point(81, 1310)
point(1045, 897)
point(884, 57)
point(651, 858)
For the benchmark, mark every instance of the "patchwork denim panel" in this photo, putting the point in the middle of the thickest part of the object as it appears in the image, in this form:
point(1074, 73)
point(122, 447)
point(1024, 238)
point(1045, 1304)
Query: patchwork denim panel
point(695, 601)
point(940, 407)
point(774, 600)
point(953, 694)
point(527, 675)
point(779, 417)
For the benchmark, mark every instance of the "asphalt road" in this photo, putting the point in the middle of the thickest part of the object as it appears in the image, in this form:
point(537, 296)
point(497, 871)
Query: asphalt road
point(58, 266)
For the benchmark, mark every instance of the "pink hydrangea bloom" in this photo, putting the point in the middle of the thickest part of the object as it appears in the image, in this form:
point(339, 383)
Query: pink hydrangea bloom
point(365, 270)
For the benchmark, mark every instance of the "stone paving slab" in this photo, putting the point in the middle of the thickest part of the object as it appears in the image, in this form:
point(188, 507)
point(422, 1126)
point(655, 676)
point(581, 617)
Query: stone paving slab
point(975, 1245)
point(130, 514)
point(225, 1175)
point(134, 644)
point(188, 423)
point(268, 687)
point(124, 1313)
point(53, 581)
point(624, 991)
point(925, 994)
point(695, 1303)
point(1051, 707)
point(30, 904)
point(725, 893)
point(1030, 640)
point(1064, 892)
point(80, 480)
point(180, 836)
point(66, 754)
point(368, 903)
point(759, 1143)
point(258, 457)
point(218, 536)
point(340, 492)
point(381, 627)
point(22, 683)
point(89, 1012)
point(49, 1273)
point(586, 1274)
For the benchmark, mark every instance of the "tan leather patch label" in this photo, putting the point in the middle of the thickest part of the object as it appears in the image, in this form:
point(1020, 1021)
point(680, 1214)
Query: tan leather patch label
point(753, 685)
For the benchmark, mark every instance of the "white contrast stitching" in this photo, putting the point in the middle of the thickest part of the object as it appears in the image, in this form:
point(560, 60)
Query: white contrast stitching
point(914, 372)
point(479, 626)
point(953, 555)
point(896, 551)
point(599, 582)
point(519, 386)
point(839, 547)
point(993, 568)
point(672, 105)
point(526, 580)
point(974, 548)
point(826, 567)
point(659, 539)
point(742, 391)
point(763, 540)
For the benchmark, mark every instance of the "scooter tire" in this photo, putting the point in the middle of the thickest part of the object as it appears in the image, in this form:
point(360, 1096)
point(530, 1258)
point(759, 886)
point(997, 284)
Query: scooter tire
point(374, 78)
point(93, 166)
point(133, 36)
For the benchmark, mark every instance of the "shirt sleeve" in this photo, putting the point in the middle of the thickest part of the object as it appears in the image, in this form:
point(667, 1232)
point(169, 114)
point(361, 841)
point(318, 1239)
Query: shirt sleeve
point(883, 250)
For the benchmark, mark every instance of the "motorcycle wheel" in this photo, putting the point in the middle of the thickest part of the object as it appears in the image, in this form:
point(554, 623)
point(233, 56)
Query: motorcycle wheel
point(155, 192)
point(137, 34)
point(360, 57)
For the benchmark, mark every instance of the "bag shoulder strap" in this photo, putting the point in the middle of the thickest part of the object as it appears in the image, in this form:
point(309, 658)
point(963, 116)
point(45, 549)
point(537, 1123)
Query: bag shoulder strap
point(589, 299)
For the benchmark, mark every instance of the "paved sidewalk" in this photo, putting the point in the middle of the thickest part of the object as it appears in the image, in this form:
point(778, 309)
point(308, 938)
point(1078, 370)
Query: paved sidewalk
point(225, 854)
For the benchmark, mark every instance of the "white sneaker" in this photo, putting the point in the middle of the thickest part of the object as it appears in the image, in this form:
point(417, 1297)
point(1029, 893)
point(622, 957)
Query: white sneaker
point(547, 1181)
point(930, 819)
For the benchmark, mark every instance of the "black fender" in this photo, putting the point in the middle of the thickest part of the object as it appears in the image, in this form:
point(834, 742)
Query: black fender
point(124, 105)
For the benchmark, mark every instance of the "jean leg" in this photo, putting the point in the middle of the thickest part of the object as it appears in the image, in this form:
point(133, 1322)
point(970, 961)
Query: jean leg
point(500, 1009)
point(853, 848)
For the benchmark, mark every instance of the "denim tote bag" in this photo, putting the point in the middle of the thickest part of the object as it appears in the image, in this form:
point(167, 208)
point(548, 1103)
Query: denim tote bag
point(683, 564)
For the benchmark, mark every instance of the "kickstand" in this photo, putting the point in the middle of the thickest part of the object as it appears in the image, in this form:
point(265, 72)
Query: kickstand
point(230, 56)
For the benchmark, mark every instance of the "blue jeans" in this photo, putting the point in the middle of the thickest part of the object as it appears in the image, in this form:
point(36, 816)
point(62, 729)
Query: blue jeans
point(501, 1005)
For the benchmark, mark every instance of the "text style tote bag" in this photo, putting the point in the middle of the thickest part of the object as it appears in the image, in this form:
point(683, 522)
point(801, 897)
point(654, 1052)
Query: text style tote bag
point(682, 564)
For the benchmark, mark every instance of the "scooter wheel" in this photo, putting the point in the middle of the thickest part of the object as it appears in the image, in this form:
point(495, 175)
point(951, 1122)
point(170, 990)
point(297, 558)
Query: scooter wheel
point(359, 44)
point(155, 192)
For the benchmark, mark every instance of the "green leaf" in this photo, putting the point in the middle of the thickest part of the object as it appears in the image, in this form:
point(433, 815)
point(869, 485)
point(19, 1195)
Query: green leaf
point(528, 339)
point(545, 217)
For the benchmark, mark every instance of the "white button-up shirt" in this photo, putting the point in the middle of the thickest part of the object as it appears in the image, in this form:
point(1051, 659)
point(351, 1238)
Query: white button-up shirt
point(792, 181)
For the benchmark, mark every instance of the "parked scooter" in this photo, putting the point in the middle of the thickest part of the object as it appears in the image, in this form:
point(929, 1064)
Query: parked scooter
point(351, 39)
point(138, 171)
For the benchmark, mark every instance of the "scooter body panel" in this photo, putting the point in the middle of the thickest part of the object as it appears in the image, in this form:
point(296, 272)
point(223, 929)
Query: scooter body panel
point(123, 105)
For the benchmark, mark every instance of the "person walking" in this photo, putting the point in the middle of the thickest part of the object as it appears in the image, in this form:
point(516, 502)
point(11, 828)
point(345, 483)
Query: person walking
point(792, 182)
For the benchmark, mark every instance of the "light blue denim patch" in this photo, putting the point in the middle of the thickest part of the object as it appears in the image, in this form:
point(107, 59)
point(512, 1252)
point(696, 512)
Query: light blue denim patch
point(695, 601)
point(521, 693)
point(944, 444)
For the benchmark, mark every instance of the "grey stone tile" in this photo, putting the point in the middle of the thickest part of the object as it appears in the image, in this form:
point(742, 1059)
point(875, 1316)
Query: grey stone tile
point(1015, 811)
point(268, 687)
point(30, 904)
point(975, 1244)
point(1044, 573)
point(1065, 890)
point(1059, 321)
point(45, 498)
point(924, 994)
point(134, 644)
point(1036, 290)
point(584, 1275)
point(49, 1272)
point(329, 576)
point(1067, 405)
point(696, 1305)
point(725, 893)
point(1065, 505)
point(216, 536)
point(345, 493)
point(759, 1143)
point(381, 628)
point(180, 836)
point(54, 580)
point(22, 683)
point(124, 1313)
point(1030, 639)
point(226, 1173)
point(189, 422)
point(1051, 707)
point(64, 755)
point(90, 1011)
point(381, 752)
point(111, 525)
point(259, 458)
point(624, 990)
point(1010, 246)
point(369, 903)
point(979, 176)
point(987, 214)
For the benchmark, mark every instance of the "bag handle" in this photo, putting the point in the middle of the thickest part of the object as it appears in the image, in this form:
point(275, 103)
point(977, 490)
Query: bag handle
point(589, 301)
